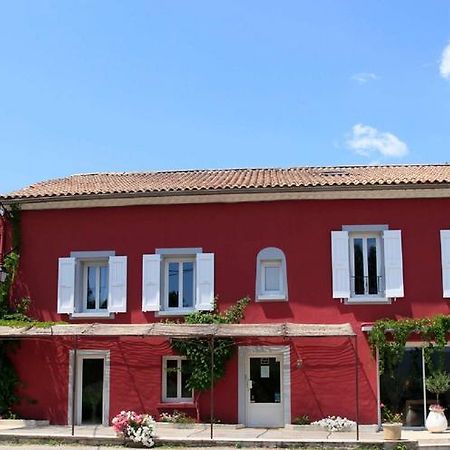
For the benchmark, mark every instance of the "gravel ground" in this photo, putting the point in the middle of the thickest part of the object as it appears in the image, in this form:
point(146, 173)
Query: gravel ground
point(26, 446)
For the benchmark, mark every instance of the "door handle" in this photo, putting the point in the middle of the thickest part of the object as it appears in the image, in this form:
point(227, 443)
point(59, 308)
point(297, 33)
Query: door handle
point(249, 384)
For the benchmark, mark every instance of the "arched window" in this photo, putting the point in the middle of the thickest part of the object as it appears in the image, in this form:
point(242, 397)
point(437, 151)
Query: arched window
point(271, 275)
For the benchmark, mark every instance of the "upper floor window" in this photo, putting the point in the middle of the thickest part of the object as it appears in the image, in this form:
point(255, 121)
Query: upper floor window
point(95, 285)
point(367, 264)
point(271, 277)
point(92, 284)
point(179, 277)
point(445, 262)
point(178, 281)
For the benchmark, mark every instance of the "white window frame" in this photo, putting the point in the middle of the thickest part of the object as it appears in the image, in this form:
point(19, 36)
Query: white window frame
point(380, 265)
point(83, 260)
point(175, 254)
point(180, 261)
point(277, 264)
point(271, 257)
point(373, 230)
point(85, 266)
point(177, 399)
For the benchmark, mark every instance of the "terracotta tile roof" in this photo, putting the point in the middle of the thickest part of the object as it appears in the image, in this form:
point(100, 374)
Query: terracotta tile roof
point(110, 184)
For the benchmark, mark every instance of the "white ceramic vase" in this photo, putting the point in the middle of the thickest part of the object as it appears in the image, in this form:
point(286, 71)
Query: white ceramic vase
point(436, 420)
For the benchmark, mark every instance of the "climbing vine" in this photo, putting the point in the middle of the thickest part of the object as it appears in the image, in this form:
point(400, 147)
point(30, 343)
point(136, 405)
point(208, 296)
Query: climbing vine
point(198, 351)
point(389, 336)
point(11, 313)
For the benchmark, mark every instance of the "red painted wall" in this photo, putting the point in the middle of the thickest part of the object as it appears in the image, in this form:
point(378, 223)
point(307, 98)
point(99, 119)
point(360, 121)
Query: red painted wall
point(234, 233)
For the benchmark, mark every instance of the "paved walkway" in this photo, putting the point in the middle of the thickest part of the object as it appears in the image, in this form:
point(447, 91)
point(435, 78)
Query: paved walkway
point(223, 434)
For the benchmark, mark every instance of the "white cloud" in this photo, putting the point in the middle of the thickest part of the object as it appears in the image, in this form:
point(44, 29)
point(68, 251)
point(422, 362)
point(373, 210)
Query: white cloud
point(368, 141)
point(364, 77)
point(444, 68)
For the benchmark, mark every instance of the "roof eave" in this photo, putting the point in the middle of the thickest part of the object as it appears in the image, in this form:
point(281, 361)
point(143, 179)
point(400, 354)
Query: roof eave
point(7, 200)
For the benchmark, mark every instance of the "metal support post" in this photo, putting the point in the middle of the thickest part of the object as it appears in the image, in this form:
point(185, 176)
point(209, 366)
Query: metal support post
point(211, 409)
point(357, 386)
point(74, 382)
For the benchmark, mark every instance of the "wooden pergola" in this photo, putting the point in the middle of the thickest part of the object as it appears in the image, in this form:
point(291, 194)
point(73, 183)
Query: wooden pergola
point(208, 332)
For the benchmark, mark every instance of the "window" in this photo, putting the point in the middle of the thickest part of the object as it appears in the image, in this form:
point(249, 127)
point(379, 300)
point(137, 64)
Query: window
point(176, 373)
point(178, 281)
point(365, 257)
point(271, 279)
point(92, 284)
point(445, 262)
point(95, 285)
point(367, 264)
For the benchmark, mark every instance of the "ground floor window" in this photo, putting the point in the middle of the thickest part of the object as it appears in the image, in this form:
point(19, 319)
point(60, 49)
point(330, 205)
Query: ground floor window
point(176, 373)
point(404, 390)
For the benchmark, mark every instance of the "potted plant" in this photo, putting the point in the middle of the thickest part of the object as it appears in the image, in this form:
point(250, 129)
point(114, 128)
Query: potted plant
point(392, 424)
point(137, 430)
point(437, 383)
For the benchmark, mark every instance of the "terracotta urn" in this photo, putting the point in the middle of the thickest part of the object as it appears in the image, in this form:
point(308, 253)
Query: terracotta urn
point(436, 420)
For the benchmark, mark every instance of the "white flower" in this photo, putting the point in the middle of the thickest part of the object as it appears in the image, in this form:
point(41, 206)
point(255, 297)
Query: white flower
point(335, 423)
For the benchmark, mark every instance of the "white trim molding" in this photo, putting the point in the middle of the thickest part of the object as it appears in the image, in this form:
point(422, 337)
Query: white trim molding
point(179, 398)
point(275, 258)
point(81, 355)
point(244, 352)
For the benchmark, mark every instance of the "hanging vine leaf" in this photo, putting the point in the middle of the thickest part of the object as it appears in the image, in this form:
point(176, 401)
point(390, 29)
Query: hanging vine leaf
point(198, 351)
point(389, 336)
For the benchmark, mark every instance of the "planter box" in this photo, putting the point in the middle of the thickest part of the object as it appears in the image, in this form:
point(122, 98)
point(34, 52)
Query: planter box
point(392, 431)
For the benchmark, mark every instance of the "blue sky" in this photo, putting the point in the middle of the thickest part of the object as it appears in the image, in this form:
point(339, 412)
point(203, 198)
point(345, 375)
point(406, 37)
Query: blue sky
point(96, 86)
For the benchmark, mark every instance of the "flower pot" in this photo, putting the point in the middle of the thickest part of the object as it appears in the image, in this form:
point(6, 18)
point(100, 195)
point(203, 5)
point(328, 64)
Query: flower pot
point(436, 420)
point(392, 431)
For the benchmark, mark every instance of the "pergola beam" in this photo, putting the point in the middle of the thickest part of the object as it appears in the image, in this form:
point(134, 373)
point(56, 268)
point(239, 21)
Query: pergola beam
point(283, 330)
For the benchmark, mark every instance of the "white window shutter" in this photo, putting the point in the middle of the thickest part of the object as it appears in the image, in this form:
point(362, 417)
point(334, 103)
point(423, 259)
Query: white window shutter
point(205, 281)
point(445, 258)
point(340, 264)
point(393, 263)
point(117, 297)
point(151, 280)
point(66, 285)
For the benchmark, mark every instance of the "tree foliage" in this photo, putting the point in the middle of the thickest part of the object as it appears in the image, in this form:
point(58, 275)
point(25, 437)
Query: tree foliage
point(10, 311)
point(198, 351)
point(438, 383)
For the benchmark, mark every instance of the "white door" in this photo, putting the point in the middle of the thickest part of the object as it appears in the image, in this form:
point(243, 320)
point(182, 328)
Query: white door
point(265, 399)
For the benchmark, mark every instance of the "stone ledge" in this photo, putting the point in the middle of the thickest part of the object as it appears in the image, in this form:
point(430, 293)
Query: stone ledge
point(22, 423)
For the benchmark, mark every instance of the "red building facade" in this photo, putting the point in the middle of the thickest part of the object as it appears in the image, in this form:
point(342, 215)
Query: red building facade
point(333, 252)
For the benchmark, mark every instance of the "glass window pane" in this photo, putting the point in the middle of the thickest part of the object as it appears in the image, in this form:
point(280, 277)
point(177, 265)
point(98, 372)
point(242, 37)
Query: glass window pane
point(171, 378)
point(173, 284)
point(403, 391)
point(91, 287)
point(272, 278)
point(372, 265)
point(103, 301)
point(188, 284)
point(185, 375)
point(358, 276)
point(266, 381)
